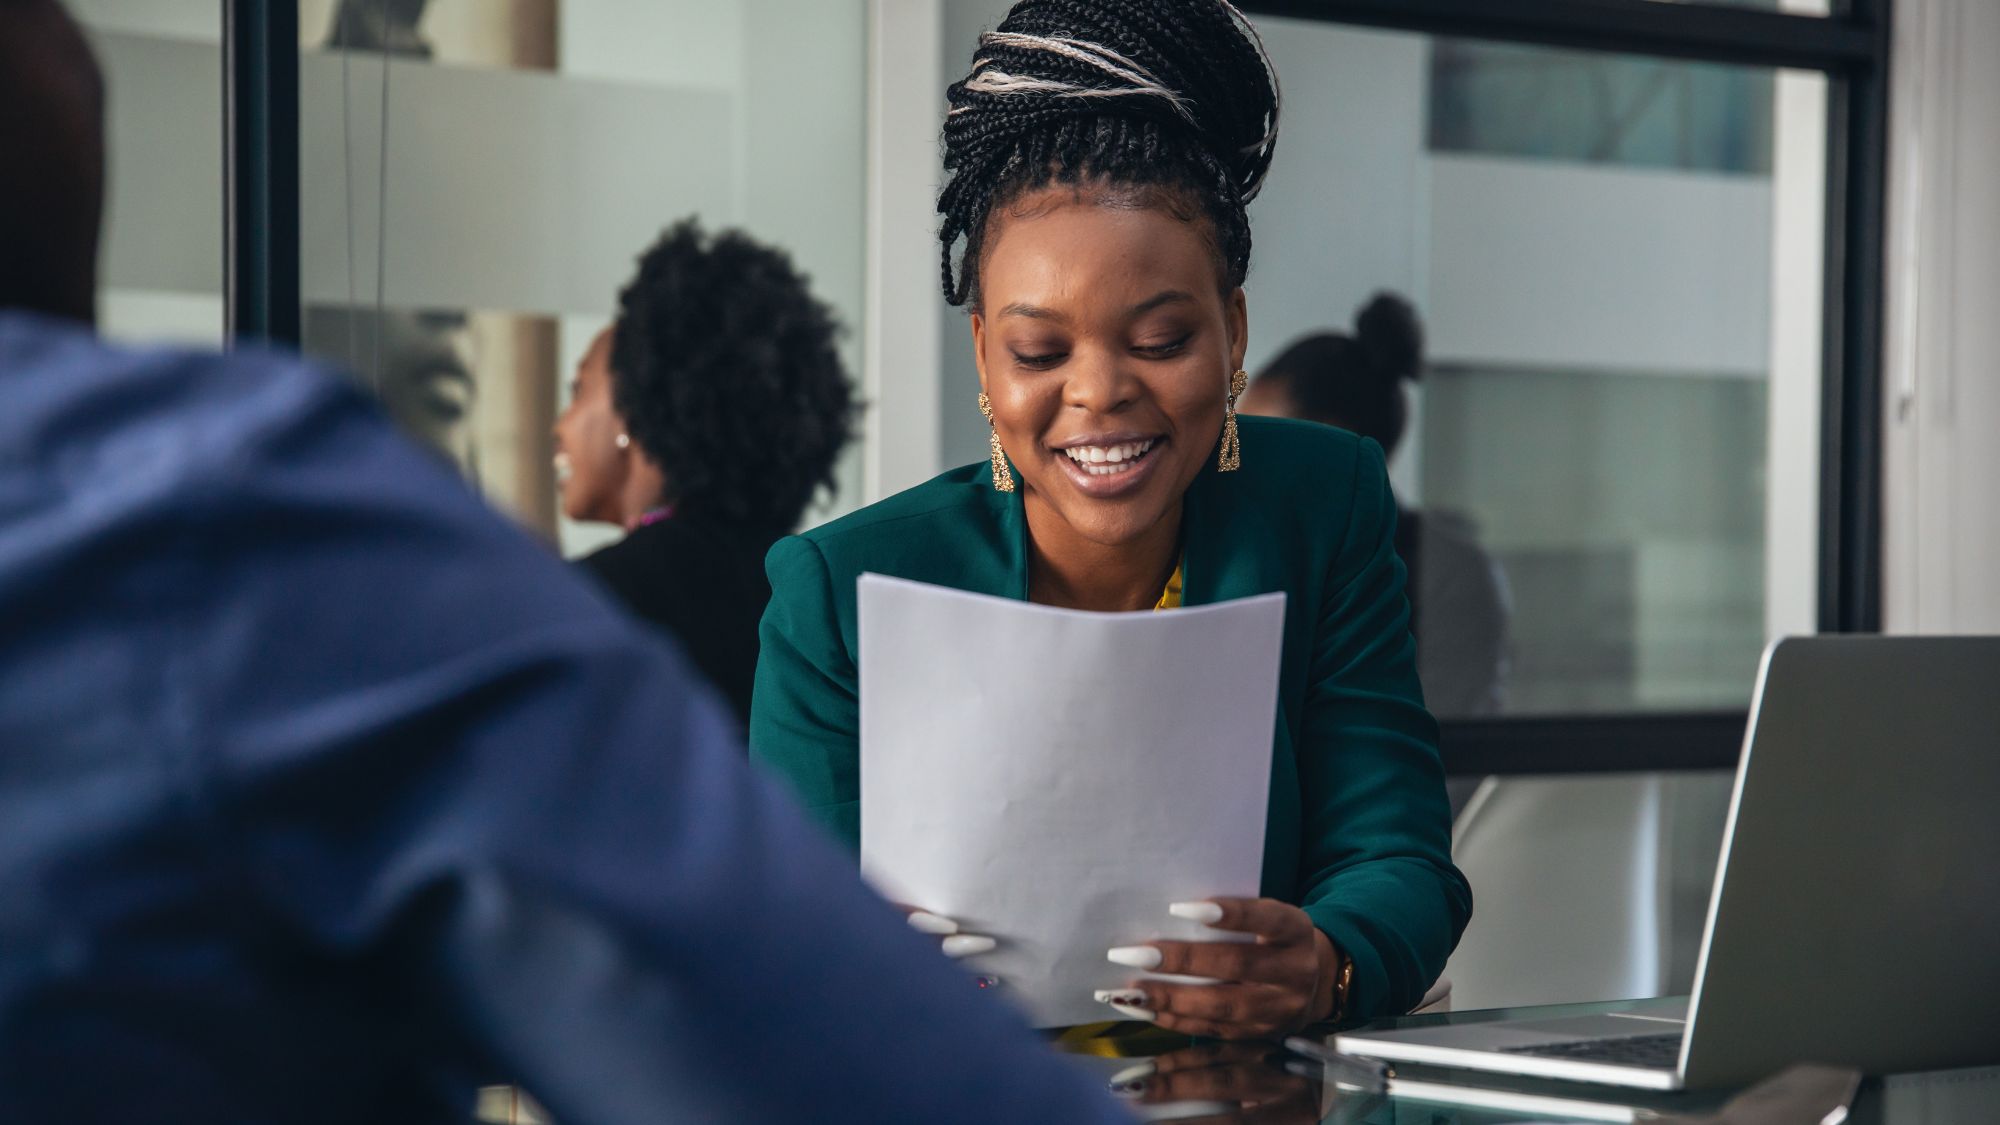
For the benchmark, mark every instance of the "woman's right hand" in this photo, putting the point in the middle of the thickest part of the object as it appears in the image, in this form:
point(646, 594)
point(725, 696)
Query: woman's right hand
point(954, 943)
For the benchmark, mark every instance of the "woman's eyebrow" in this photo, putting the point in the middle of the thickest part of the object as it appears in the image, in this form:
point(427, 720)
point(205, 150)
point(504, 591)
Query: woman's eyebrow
point(1037, 312)
point(1165, 297)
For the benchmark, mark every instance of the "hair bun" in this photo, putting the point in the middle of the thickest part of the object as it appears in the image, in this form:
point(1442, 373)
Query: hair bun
point(1192, 65)
point(1391, 336)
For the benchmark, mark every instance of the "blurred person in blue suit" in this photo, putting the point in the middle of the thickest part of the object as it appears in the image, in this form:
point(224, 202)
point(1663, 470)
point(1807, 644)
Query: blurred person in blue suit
point(325, 795)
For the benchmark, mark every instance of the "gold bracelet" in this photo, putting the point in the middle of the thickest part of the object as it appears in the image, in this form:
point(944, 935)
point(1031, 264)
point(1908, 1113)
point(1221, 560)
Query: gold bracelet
point(1343, 983)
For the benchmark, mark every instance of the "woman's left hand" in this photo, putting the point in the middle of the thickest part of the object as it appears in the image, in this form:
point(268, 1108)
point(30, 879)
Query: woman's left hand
point(1277, 984)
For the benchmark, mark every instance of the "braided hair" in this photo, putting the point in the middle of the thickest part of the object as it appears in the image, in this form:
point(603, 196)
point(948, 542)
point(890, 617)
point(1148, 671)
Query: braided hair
point(1169, 103)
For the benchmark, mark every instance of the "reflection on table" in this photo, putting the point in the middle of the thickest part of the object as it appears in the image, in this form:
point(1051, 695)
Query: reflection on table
point(1172, 1078)
point(1169, 1077)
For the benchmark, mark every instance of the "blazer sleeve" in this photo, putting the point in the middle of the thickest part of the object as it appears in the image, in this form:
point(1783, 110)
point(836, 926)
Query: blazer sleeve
point(1377, 875)
point(805, 715)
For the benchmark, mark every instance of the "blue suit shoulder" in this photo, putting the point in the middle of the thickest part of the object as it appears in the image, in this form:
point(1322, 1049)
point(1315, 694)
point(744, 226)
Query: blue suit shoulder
point(174, 412)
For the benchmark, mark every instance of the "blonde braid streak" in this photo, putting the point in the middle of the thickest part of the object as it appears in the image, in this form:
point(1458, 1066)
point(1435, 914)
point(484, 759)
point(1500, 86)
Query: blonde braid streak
point(1142, 82)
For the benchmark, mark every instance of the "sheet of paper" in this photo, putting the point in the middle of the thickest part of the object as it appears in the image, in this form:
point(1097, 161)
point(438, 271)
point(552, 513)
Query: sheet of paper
point(1055, 778)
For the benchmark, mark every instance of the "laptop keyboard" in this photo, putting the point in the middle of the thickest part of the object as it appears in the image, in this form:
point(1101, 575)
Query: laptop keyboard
point(1658, 1051)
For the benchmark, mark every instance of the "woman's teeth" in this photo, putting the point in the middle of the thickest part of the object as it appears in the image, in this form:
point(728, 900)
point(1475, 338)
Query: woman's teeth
point(1106, 460)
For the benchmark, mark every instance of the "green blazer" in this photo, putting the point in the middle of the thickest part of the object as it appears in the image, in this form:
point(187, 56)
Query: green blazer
point(1359, 831)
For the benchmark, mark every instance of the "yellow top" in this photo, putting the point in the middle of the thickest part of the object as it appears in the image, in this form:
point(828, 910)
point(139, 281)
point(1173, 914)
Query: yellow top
point(1170, 598)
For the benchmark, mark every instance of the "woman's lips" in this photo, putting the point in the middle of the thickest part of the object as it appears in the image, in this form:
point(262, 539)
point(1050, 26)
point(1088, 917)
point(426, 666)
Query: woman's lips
point(1111, 469)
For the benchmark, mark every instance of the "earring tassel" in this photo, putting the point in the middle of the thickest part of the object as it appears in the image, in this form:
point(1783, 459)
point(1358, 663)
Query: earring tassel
point(1232, 446)
point(1003, 477)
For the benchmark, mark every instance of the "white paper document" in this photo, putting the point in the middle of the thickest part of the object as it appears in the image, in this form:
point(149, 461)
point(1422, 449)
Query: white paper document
point(1055, 778)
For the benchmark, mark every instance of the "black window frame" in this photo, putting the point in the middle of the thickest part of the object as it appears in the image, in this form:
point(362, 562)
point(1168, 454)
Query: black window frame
point(260, 171)
point(1851, 47)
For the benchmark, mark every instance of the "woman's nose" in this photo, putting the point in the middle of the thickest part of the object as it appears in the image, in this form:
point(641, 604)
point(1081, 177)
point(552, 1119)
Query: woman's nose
point(1098, 382)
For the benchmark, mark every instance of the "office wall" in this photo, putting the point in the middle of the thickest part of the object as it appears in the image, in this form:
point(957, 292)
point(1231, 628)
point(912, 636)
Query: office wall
point(902, 345)
point(1941, 473)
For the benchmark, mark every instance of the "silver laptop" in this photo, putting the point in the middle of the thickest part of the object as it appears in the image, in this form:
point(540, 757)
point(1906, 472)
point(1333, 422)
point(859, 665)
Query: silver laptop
point(1855, 919)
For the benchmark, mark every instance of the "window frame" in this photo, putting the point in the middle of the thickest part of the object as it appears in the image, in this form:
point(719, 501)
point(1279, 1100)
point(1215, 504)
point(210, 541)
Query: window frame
point(260, 172)
point(1851, 48)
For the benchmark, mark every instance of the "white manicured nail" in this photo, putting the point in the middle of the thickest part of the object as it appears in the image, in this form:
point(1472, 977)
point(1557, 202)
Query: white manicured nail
point(1133, 1073)
point(1131, 1013)
point(924, 922)
point(966, 945)
point(1129, 996)
point(1207, 913)
point(1136, 956)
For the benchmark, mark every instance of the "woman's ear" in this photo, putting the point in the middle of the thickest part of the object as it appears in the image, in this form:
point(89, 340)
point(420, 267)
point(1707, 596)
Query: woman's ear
point(979, 348)
point(1239, 328)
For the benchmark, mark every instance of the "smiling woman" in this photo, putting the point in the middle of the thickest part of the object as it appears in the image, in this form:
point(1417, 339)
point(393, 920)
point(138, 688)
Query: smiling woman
point(1107, 370)
point(1101, 155)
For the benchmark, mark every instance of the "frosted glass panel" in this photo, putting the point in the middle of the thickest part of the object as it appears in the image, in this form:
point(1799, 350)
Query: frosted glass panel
point(1600, 108)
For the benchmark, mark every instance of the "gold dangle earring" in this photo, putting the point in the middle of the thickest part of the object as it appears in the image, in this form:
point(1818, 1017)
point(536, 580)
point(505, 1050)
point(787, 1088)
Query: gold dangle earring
point(1232, 446)
point(1003, 477)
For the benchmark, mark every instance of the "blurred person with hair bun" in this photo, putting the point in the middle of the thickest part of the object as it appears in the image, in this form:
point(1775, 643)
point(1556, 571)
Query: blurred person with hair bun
point(1458, 597)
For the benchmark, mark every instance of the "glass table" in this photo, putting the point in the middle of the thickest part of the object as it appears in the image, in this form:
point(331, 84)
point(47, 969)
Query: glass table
point(1168, 1077)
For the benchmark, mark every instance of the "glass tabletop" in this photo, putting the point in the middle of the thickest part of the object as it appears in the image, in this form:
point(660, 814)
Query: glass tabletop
point(1168, 1077)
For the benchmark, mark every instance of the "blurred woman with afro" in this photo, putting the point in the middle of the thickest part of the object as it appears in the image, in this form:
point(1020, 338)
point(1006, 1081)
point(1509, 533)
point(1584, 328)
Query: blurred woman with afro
point(703, 421)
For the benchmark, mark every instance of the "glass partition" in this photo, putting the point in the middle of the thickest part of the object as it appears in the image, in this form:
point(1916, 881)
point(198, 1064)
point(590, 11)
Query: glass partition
point(1610, 307)
point(478, 177)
